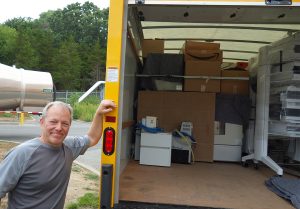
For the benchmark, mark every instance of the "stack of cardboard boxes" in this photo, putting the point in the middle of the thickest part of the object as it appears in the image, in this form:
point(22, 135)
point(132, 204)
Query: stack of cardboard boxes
point(196, 103)
point(202, 59)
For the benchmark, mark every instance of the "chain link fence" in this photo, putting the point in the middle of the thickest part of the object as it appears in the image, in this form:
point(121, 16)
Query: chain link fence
point(64, 96)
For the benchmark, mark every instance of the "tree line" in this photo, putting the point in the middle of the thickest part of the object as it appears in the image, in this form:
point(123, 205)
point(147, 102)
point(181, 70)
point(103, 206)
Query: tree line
point(70, 43)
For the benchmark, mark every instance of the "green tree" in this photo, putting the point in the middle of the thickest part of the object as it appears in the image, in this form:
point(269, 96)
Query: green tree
point(8, 38)
point(66, 65)
point(43, 21)
point(93, 62)
point(20, 23)
point(44, 44)
point(26, 55)
point(103, 27)
point(42, 41)
point(83, 22)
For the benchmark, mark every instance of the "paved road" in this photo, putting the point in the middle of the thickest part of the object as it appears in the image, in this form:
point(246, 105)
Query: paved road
point(12, 131)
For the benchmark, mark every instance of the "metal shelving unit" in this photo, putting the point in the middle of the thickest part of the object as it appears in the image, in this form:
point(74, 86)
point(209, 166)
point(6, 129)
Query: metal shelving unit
point(277, 98)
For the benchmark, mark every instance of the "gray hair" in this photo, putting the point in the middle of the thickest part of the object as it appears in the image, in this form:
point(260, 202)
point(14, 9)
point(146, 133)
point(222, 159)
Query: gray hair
point(57, 103)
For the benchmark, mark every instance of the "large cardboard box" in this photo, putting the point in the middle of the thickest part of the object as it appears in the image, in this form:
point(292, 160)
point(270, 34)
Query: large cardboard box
point(152, 46)
point(240, 87)
point(202, 68)
point(196, 45)
point(172, 108)
point(202, 51)
point(203, 55)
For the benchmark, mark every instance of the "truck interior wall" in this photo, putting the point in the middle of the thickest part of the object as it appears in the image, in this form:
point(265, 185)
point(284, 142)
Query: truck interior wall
point(131, 66)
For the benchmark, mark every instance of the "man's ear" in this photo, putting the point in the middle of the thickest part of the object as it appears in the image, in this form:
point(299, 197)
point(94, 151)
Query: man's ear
point(42, 120)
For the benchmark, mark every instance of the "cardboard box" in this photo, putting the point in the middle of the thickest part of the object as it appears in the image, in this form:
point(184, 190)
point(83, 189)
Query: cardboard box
point(204, 51)
point(205, 68)
point(172, 108)
point(240, 87)
point(204, 152)
point(196, 45)
point(203, 55)
point(202, 68)
point(152, 46)
point(202, 85)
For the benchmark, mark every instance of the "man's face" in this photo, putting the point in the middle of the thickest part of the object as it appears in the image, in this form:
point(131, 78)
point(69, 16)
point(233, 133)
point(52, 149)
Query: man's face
point(55, 126)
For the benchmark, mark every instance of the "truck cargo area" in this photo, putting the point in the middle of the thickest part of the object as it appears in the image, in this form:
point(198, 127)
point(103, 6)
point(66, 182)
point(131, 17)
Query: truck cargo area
point(215, 185)
point(231, 36)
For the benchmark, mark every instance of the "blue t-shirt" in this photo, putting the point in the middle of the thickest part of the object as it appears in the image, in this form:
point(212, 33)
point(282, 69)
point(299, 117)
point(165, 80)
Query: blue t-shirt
point(36, 175)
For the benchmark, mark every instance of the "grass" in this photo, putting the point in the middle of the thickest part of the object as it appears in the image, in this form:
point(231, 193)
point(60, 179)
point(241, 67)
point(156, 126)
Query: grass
point(7, 115)
point(15, 115)
point(92, 176)
point(76, 168)
point(89, 200)
point(86, 109)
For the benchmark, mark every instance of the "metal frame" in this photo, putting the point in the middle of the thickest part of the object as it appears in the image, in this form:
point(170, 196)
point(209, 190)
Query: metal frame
point(220, 26)
point(117, 26)
point(208, 2)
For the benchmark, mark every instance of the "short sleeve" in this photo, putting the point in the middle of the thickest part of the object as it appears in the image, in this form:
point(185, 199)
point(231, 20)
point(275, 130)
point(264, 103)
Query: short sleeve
point(77, 144)
point(11, 169)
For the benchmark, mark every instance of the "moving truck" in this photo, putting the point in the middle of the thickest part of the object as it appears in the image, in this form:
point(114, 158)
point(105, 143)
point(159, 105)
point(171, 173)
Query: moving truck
point(192, 34)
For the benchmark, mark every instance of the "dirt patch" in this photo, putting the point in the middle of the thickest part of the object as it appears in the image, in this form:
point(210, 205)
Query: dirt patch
point(81, 182)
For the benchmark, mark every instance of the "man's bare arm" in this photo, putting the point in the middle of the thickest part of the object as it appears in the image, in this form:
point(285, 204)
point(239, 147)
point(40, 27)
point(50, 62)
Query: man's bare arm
point(95, 131)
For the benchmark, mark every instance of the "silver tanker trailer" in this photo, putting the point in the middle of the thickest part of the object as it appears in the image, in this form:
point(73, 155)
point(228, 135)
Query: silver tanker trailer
point(21, 88)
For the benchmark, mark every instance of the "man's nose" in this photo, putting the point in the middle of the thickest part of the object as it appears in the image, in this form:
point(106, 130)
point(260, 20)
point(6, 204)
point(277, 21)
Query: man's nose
point(58, 126)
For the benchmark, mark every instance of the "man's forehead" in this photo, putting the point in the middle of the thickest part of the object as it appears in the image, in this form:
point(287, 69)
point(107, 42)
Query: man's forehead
point(58, 111)
point(58, 107)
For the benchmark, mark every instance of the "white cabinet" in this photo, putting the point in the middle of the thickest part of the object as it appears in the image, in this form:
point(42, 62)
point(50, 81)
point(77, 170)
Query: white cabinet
point(231, 153)
point(155, 149)
point(228, 146)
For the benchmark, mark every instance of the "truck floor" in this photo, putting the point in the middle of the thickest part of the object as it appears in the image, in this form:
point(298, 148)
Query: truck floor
point(211, 185)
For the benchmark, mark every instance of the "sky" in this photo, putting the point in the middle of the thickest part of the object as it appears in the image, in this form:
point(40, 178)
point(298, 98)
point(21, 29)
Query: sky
point(33, 8)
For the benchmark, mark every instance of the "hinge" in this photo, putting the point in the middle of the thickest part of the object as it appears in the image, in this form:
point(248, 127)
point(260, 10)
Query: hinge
point(140, 1)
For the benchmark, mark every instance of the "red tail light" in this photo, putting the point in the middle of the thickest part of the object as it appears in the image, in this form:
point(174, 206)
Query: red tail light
point(109, 141)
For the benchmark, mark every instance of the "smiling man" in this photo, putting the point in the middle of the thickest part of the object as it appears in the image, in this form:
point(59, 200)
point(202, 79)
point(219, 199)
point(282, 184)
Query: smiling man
point(36, 174)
